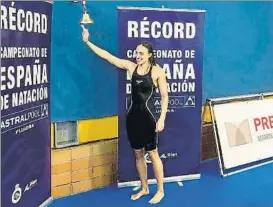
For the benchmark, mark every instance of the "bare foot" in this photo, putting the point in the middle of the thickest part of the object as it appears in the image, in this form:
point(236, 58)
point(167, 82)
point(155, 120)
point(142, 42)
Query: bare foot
point(139, 194)
point(157, 197)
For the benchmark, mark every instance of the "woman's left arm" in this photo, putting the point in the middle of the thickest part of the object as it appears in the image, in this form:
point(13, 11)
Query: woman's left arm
point(162, 84)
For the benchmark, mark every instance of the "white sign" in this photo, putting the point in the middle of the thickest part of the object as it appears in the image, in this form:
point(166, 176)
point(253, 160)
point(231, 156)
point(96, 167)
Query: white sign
point(245, 131)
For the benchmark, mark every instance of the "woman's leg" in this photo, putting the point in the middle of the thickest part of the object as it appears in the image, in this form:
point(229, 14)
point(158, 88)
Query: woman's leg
point(142, 172)
point(159, 175)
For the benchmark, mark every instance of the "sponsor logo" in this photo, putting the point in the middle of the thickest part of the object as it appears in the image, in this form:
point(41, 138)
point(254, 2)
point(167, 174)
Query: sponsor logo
point(169, 155)
point(17, 194)
point(139, 81)
point(238, 135)
point(18, 191)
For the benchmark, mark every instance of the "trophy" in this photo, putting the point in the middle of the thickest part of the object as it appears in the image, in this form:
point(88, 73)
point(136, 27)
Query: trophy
point(85, 17)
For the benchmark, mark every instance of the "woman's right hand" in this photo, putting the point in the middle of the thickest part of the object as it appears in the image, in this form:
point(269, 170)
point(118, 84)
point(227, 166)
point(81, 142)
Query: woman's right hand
point(85, 35)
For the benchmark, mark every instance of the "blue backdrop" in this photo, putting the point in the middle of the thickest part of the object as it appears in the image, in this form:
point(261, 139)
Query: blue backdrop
point(238, 54)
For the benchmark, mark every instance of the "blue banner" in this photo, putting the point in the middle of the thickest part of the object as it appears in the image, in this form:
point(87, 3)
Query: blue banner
point(25, 114)
point(177, 37)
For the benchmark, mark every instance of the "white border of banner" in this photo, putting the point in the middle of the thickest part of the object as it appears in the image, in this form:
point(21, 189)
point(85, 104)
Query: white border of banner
point(209, 104)
point(50, 199)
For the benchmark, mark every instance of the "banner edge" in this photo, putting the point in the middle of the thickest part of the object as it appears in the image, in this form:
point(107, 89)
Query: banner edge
point(47, 202)
point(166, 180)
point(160, 9)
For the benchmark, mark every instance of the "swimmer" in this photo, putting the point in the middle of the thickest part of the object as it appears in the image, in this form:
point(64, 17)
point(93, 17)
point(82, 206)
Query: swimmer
point(142, 122)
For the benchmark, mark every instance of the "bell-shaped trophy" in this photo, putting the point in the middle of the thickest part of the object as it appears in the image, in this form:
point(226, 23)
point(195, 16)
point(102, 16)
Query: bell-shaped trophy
point(86, 19)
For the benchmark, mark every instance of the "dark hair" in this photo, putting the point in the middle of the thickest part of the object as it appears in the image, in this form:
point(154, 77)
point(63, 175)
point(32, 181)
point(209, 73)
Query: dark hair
point(149, 46)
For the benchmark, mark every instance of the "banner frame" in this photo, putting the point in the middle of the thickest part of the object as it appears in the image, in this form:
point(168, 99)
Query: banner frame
point(160, 9)
point(177, 179)
point(210, 102)
point(165, 180)
point(47, 202)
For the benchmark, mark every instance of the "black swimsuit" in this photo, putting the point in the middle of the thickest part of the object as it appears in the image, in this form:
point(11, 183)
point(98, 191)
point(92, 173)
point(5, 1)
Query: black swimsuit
point(141, 117)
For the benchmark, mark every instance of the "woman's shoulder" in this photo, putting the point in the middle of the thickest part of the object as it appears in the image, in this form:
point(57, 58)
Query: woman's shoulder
point(157, 69)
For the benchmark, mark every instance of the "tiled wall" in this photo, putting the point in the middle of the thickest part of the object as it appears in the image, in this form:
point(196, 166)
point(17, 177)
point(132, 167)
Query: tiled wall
point(208, 142)
point(82, 168)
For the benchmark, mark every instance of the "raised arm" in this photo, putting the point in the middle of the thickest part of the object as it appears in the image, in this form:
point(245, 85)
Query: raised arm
point(118, 62)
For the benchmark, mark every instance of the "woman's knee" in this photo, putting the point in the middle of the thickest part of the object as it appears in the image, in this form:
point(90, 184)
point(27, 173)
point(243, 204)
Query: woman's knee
point(153, 154)
point(139, 154)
